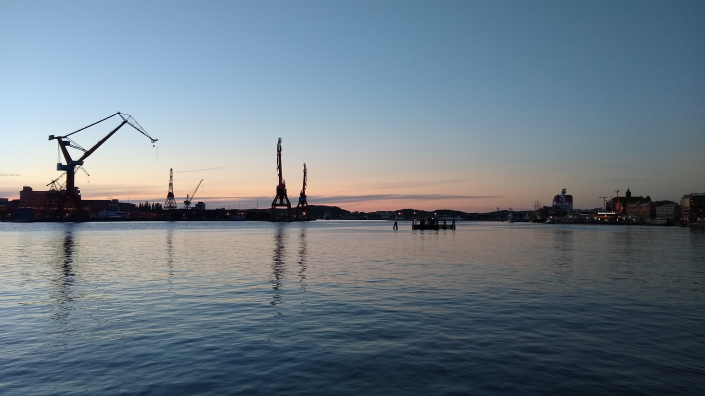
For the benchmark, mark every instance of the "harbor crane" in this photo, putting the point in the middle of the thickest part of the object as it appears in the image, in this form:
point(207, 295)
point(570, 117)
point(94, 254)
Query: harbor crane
point(71, 194)
point(281, 199)
point(302, 206)
point(170, 203)
point(190, 196)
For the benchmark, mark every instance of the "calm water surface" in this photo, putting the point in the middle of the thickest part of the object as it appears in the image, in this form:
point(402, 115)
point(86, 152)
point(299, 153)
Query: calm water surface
point(334, 307)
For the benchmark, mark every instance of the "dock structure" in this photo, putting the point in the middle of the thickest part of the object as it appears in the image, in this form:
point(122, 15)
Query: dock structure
point(431, 224)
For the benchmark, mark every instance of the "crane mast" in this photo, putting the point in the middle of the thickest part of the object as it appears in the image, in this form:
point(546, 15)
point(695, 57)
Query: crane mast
point(71, 193)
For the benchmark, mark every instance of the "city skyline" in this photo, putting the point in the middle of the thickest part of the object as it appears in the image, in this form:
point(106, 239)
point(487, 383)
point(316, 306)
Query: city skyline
point(462, 105)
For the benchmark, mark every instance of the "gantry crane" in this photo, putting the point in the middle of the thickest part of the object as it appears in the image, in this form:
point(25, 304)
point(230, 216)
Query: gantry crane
point(71, 193)
point(190, 196)
point(302, 206)
point(281, 199)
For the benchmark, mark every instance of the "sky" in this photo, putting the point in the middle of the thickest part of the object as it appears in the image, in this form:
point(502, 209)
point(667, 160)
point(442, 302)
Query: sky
point(467, 105)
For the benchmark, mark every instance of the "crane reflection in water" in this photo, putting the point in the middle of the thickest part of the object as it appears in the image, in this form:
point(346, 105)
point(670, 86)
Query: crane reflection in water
point(170, 255)
point(302, 259)
point(279, 263)
point(64, 295)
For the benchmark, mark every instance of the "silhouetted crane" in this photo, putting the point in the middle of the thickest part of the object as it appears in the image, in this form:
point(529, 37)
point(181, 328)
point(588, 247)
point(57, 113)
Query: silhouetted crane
point(170, 203)
point(302, 206)
point(71, 193)
point(281, 199)
point(190, 196)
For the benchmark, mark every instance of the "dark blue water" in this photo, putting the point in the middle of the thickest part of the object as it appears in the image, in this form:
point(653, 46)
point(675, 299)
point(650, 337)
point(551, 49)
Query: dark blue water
point(336, 308)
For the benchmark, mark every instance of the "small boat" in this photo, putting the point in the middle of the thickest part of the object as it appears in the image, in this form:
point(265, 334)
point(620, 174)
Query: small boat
point(326, 215)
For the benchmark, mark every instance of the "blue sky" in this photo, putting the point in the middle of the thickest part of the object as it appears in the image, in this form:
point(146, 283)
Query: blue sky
point(470, 105)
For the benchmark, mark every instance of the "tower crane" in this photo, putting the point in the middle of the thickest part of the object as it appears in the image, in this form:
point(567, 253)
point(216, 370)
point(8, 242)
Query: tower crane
point(189, 197)
point(604, 202)
point(617, 204)
point(71, 193)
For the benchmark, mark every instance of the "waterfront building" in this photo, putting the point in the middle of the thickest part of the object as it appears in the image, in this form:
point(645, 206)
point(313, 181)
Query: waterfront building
point(693, 208)
point(34, 199)
point(385, 214)
point(563, 201)
point(669, 212)
point(620, 204)
point(641, 210)
point(37, 200)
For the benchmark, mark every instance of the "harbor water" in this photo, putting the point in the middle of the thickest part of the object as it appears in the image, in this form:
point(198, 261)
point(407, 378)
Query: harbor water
point(350, 307)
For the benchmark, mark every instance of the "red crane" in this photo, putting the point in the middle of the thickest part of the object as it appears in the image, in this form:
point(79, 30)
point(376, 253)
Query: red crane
point(281, 199)
point(302, 206)
point(71, 193)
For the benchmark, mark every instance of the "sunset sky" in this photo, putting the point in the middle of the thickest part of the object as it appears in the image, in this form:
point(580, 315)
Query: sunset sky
point(469, 105)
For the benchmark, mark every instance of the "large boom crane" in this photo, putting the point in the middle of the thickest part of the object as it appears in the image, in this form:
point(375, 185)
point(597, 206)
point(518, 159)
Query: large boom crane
point(189, 197)
point(71, 193)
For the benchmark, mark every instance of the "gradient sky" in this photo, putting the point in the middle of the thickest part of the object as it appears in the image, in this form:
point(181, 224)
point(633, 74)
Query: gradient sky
point(470, 105)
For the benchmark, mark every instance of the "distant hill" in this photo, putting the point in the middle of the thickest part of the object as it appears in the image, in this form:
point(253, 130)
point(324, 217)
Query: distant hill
point(319, 210)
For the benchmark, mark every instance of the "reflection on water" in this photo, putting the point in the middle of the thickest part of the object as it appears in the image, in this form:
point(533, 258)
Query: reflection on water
point(170, 255)
point(563, 252)
point(278, 265)
point(203, 308)
point(64, 294)
point(302, 259)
